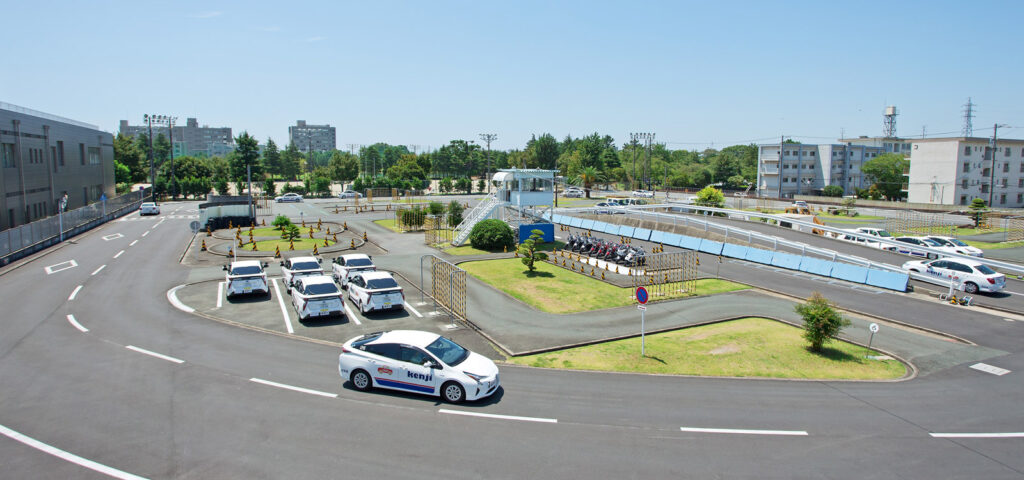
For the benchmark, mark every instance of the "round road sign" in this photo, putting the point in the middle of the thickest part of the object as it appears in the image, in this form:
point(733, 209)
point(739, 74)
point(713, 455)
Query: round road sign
point(641, 295)
point(873, 327)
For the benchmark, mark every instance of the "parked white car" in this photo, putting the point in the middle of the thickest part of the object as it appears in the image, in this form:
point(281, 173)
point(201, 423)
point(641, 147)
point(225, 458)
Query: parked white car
point(149, 208)
point(296, 267)
point(420, 362)
point(346, 265)
point(316, 296)
point(246, 277)
point(907, 246)
point(973, 275)
point(349, 194)
point(573, 193)
point(862, 239)
point(956, 246)
point(288, 197)
point(375, 291)
point(643, 193)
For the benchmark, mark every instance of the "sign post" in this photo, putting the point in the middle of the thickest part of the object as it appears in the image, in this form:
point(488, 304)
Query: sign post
point(874, 329)
point(642, 297)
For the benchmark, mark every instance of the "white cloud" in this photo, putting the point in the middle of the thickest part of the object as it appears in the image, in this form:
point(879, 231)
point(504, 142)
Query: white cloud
point(210, 14)
point(317, 38)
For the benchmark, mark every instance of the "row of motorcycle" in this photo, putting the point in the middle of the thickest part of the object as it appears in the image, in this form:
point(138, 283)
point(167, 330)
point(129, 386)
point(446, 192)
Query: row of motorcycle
point(602, 249)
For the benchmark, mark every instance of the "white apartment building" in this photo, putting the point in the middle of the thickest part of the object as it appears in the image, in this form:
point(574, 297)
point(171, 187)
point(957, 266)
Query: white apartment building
point(954, 171)
point(318, 138)
point(804, 169)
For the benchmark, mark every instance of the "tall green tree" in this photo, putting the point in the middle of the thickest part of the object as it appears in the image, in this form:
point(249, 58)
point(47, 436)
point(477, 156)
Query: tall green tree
point(271, 158)
point(588, 177)
point(542, 152)
point(129, 153)
point(886, 173)
point(291, 161)
point(343, 166)
point(161, 149)
point(246, 153)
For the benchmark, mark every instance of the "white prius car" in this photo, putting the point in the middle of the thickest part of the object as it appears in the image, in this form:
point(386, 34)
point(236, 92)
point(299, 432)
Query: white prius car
point(316, 296)
point(149, 208)
point(420, 362)
point(346, 265)
point(246, 277)
point(295, 267)
point(954, 245)
point(974, 276)
point(375, 291)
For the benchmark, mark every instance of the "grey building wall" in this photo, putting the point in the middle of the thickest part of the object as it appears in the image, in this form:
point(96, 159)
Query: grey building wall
point(805, 169)
point(42, 157)
point(319, 138)
point(190, 139)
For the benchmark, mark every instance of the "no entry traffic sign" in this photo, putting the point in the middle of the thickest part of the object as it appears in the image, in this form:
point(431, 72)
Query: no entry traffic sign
point(641, 295)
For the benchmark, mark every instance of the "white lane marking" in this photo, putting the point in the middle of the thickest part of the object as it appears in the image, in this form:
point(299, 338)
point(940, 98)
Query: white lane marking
point(499, 417)
point(133, 243)
point(98, 269)
point(74, 323)
point(348, 311)
point(296, 389)
point(284, 311)
point(67, 456)
point(74, 293)
point(112, 236)
point(984, 367)
point(978, 435)
point(220, 294)
point(172, 297)
point(154, 354)
point(145, 233)
point(744, 431)
point(60, 267)
point(118, 254)
point(413, 310)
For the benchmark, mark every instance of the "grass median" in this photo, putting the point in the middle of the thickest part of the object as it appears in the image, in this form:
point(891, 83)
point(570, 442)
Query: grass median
point(557, 290)
point(749, 347)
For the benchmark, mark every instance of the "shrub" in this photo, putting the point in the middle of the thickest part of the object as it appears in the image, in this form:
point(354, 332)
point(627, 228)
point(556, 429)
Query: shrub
point(269, 187)
point(832, 191)
point(454, 213)
point(281, 221)
point(529, 250)
point(491, 234)
point(435, 208)
point(301, 190)
point(821, 320)
point(290, 232)
point(413, 218)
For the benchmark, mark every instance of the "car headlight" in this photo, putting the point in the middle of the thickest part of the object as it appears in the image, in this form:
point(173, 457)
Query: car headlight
point(475, 377)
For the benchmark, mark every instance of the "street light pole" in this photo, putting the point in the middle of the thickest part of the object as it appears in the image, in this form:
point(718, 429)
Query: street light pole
point(174, 179)
point(992, 171)
point(152, 169)
point(488, 137)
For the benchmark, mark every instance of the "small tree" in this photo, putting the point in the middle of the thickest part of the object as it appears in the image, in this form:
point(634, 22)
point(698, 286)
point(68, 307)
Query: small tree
point(281, 221)
point(710, 197)
point(464, 184)
point(848, 204)
point(435, 208)
point(832, 191)
point(221, 185)
point(269, 187)
point(978, 209)
point(454, 213)
point(528, 249)
point(481, 185)
point(821, 320)
point(290, 232)
point(445, 185)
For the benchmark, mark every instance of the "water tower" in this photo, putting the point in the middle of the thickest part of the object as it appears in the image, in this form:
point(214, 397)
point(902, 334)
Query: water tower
point(889, 124)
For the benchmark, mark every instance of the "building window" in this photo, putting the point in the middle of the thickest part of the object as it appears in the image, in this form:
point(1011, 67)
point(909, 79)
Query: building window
point(1007, 152)
point(812, 154)
point(60, 152)
point(1002, 199)
point(967, 167)
point(1006, 167)
point(967, 150)
point(7, 152)
point(963, 199)
point(94, 155)
point(1020, 197)
point(1020, 183)
point(81, 154)
point(963, 183)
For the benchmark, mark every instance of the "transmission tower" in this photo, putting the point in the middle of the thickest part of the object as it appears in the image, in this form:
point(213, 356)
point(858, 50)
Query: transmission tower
point(488, 138)
point(968, 128)
point(889, 122)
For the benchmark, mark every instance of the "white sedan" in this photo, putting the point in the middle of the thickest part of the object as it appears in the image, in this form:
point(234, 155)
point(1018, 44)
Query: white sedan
point(316, 296)
point(288, 197)
point(375, 291)
point(974, 276)
point(906, 246)
point(349, 194)
point(955, 245)
point(245, 277)
point(643, 193)
point(149, 208)
point(416, 361)
point(296, 267)
point(346, 265)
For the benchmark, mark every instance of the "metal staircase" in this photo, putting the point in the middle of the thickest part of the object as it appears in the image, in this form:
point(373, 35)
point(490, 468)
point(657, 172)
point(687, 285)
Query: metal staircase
point(481, 211)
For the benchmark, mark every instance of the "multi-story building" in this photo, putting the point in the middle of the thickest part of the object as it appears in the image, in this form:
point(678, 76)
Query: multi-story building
point(43, 157)
point(318, 138)
point(804, 169)
point(956, 170)
point(190, 139)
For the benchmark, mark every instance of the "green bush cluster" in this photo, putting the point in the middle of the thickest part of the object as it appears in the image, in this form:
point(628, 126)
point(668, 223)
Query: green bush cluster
point(491, 234)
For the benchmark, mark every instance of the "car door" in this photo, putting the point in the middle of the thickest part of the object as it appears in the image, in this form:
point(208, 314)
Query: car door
point(418, 377)
point(385, 370)
point(939, 269)
point(356, 288)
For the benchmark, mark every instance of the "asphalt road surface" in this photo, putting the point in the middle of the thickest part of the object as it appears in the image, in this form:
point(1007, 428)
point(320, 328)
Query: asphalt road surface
point(130, 385)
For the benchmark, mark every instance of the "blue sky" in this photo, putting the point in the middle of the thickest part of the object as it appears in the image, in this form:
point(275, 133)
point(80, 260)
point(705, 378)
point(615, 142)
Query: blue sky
point(422, 73)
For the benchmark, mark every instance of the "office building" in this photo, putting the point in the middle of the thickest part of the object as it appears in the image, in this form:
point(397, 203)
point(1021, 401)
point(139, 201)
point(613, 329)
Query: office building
point(43, 157)
point(804, 169)
point(956, 170)
point(190, 139)
point(318, 138)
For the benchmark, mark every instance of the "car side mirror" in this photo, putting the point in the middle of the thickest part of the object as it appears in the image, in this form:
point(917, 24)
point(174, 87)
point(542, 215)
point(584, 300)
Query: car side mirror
point(265, 264)
point(225, 268)
point(430, 364)
point(320, 261)
point(282, 264)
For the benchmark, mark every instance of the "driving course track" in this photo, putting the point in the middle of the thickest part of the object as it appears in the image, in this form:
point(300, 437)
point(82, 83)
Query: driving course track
point(151, 391)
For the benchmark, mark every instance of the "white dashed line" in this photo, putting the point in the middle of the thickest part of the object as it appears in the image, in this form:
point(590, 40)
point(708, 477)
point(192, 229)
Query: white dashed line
point(172, 297)
point(295, 389)
point(984, 367)
point(413, 310)
point(154, 354)
point(98, 269)
point(220, 294)
point(978, 435)
point(60, 267)
point(133, 243)
point(119, 254)
point(67, 456)
point(744, 431)
point(74, 323)
point(284, 311)
point(145, 233)
point(74, 292)
point(499, 417)
point(351, 315)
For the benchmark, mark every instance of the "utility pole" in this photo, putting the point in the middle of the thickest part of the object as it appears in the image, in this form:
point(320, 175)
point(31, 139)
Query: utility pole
point(650, 140)
point(152, 168)
point(174, 179)
point(633, 137)
point(992, 171)
point(488, 137)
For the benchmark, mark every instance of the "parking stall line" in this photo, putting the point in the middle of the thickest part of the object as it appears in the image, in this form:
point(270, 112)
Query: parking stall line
point(74, 293)
point(744, 431)
point(98, 269)
point(154, 354)
point(351, 315)
point(220, 294)
point(74, 323)
point(119, 254)
point(284, 311)
point(413, 310)
point(133, 243)
point(498, 417)
point(979, 435)
point(67, 456)
point(145, 233)
point(293, 388)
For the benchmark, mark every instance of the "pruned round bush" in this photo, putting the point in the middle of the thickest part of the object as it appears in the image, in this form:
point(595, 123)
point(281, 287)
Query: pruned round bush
point(491, 234)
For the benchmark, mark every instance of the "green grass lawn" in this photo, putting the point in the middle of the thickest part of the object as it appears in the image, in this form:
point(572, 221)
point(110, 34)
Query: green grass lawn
point(269, 245)
point(993, 245)
point(547, 288)
point(388, 224)
point(749, 347)
point(470, 250)
point(829, 216)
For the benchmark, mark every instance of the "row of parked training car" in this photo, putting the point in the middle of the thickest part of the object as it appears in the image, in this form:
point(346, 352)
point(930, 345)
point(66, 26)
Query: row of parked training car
point(862, 236)
point(315, 293)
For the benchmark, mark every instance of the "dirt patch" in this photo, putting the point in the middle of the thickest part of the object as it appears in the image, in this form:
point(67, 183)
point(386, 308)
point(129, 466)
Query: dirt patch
point(726, 349)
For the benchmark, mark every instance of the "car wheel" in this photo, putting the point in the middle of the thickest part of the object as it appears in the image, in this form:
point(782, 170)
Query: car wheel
point(362, 308)
point(971, 287)
point(932, 256)
point(915, 270)
point(453, 392)
point(361, 380)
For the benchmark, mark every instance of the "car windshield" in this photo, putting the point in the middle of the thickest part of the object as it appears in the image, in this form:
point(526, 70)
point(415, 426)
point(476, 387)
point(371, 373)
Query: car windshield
point(931, 243)
point(321, 289)
point(379, 283)
point(247, 270)
point(882, 233)
point(448, 351)
point(358, 262)
point(984, 269)
point(957, 242)
point(305, 266)
point(148, 204)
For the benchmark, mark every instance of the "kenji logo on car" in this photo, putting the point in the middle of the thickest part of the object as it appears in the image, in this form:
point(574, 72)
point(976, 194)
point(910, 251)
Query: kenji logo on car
point(419, 376)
